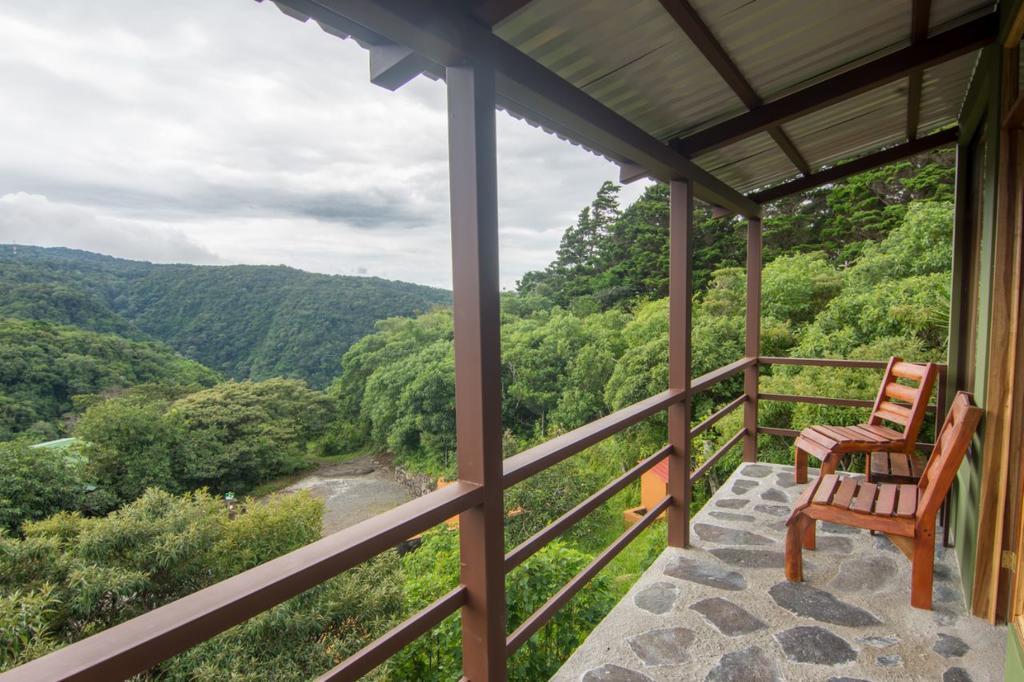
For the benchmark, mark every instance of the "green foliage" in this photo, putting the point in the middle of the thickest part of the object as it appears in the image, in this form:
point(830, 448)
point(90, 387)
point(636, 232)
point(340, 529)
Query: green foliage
point(44, 366)
point(433, 569)
point(230, 437)
point(73, 576)
point(248, 322)
point(37, 482)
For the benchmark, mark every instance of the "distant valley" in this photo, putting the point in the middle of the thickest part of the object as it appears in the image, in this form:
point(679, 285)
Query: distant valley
point(244, 321)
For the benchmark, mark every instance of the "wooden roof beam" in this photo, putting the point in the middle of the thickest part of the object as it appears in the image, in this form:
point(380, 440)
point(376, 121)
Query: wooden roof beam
point(919, 17)
point(937, 49)
point(493, 12)
point(881, 158)
point(704, 40)
point(448, 37)
point(630, 172)
point(392, 66)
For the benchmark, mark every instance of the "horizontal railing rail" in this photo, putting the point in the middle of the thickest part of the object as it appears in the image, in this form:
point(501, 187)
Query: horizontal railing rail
point(534, 460)
point(717, 416)
point(710, 461)
point(531, 545)
point(140, 643)
point(143, 642)
point(518, 468)
point(391, 642)
point(552, 605)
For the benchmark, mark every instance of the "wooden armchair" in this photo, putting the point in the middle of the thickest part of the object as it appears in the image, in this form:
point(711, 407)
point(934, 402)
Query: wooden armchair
point(896, 403)
point(905, 513)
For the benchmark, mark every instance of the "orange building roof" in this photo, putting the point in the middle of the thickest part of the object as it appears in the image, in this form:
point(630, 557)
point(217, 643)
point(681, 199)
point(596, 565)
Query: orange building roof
point(661, 470)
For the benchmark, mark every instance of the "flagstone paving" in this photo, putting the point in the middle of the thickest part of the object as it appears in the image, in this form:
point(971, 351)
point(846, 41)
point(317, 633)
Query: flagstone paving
point(722, 610)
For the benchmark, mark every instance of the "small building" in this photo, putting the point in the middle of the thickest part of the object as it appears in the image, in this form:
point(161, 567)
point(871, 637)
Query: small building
point(653, 489)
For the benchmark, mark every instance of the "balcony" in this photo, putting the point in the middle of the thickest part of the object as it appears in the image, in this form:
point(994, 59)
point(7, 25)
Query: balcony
point(851, 617)
point(722, 609)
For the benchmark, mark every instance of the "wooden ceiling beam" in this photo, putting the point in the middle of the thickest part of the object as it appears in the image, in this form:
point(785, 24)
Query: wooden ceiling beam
point(493, 12)
point(704, 40)
point(448, 37)
point(937, 49)
point(834, 173)
point(392, 66)
point(919, 18)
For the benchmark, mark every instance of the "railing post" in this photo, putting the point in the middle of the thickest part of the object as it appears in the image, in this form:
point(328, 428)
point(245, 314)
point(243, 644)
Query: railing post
point(752, 344)
point(680, 295)
point(474, 214)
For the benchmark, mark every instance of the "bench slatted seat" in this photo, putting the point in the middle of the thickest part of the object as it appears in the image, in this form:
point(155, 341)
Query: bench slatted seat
point(903, 511)
point(896, 403)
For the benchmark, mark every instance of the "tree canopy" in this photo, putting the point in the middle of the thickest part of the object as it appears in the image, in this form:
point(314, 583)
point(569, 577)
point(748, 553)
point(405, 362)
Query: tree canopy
point(245, 321)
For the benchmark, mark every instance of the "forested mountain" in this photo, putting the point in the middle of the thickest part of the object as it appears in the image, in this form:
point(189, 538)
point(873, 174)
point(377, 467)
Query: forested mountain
point(245, 321)
point(44, 366)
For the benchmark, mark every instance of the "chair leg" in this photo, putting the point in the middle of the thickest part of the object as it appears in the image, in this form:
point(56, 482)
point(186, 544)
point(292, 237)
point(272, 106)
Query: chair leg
point(794, 553)
point(922, 568)
point(800, 466)
point(809, 538)
point(828, 465)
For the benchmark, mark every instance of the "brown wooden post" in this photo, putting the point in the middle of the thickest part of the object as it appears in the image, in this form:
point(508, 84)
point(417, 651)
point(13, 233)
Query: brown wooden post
point(680, 296)
point(474, 213)
point(752, 345)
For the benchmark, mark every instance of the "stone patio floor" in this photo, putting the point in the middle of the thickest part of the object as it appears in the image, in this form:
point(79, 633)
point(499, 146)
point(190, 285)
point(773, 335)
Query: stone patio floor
point(723, 610)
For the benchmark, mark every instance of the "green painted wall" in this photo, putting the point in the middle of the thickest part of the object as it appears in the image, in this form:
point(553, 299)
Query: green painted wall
point(1014, 658)
point(980, 109)
point(981, 106)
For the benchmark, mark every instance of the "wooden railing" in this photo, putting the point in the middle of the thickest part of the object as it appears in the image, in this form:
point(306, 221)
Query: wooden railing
point(143, 642)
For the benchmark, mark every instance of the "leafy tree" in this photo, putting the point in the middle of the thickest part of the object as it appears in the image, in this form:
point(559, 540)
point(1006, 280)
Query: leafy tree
point(44, 366)
point(71, 577)
point(37, 482)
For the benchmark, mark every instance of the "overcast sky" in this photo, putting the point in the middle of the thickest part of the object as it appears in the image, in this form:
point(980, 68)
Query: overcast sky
point(222, 131)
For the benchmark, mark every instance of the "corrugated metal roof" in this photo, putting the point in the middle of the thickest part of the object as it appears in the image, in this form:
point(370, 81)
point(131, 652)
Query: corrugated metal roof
point(749, 163)
point(630, 56)
point(943, 92)
point(782, 44)
point(635, 59)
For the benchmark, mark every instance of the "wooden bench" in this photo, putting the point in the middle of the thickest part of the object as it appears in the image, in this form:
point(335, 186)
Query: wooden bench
point(897, 404)
point(904, 512)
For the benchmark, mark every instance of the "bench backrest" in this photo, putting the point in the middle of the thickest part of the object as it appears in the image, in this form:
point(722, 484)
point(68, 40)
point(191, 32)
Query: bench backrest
point(950, 447)
point(902, 404)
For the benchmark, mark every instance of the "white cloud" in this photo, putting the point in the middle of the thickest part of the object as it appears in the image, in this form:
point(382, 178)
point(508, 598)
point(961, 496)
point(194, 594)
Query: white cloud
point(34, 219)
point(226, 130)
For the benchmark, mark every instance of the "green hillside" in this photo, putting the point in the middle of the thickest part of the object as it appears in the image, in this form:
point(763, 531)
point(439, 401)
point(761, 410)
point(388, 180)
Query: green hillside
point(43, 366)
point(246, 321)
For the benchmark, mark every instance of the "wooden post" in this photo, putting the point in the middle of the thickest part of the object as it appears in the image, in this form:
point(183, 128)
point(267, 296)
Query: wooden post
point(995, 515)
point(474, 214)
point(752, 345)
point(680, 296)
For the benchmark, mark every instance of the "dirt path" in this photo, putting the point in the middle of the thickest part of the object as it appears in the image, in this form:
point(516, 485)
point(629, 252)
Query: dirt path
point(353, 490)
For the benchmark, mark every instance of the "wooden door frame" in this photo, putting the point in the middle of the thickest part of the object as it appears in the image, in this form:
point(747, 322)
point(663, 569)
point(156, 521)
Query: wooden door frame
point(998, 593)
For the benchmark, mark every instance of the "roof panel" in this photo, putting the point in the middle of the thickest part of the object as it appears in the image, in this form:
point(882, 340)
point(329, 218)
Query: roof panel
point(871, 120)
point(942, 94)
point(631, 56)
point(749, 163)
point(783, 44)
